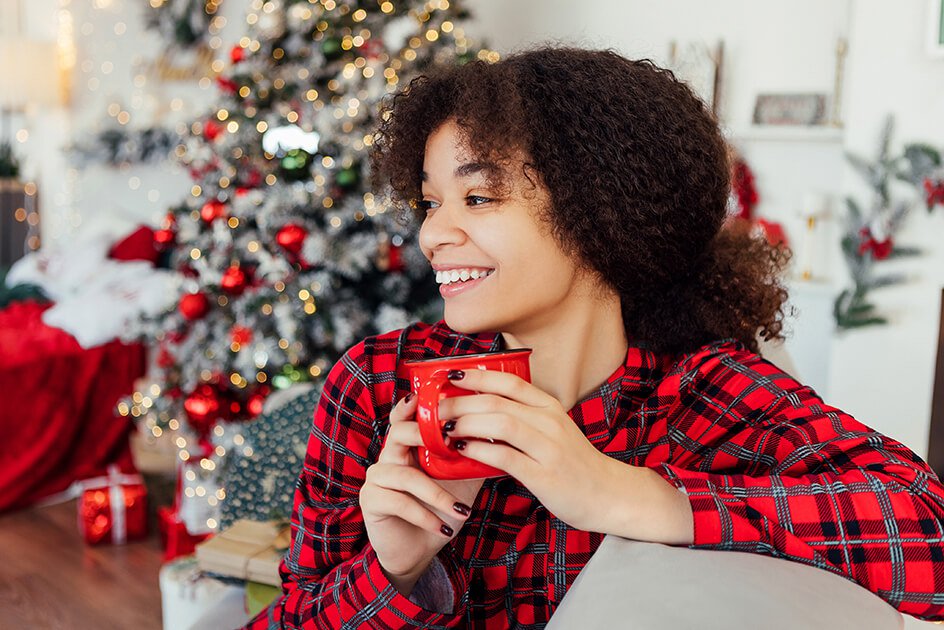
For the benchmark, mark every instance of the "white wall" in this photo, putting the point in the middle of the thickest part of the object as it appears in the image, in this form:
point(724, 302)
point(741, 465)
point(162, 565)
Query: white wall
point(882, 375)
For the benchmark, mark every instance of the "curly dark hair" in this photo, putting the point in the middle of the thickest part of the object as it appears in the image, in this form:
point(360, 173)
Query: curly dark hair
point(638, 177)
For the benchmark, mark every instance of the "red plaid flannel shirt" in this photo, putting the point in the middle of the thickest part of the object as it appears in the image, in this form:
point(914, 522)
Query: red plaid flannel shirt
point(768, 467)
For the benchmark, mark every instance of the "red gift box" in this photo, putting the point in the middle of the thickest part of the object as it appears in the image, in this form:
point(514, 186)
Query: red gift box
point(175, 539)
point(113, 509)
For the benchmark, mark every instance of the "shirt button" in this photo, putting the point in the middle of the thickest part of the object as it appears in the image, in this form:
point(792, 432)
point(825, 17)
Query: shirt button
point(506, 486)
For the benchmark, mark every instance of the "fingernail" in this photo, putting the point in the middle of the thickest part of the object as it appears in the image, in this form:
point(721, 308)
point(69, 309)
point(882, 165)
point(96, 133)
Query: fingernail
point(449, 426)
point(460, 445)
point(446, 530)
point(455, 375)
point(462, 508)
point(409, 397)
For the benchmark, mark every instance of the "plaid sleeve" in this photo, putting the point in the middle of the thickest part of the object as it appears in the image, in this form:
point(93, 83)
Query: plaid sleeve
point(769, 468)
point(331, 576)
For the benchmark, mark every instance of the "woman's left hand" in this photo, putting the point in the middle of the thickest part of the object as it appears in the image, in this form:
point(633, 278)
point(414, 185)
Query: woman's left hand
point(536, 442)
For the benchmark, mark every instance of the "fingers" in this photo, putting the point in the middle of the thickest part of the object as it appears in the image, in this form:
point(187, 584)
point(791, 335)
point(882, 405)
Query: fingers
point(404, 409)
point(504, 384)
point(518, 464)
point(402, 438)
point(405, 492)
point(402, 506)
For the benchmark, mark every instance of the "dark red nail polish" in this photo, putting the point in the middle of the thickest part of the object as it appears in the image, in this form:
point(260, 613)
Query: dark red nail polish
point(446, 530)
point(462, 508)
point(460, 445)
point(455, 375)
point(409, 397)
point(449, 426)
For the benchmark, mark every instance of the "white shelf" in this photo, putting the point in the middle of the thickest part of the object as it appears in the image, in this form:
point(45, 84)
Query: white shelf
point(785, 133)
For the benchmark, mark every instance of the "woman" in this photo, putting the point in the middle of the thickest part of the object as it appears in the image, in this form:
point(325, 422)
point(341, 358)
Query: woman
point(573, 202)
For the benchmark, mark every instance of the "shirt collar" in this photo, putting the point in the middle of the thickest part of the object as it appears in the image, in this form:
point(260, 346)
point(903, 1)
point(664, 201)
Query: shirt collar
point(622, 392)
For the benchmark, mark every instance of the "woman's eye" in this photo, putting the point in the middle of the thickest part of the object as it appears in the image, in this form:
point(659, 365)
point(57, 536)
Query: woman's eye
point(477, 200)
point(427, 204)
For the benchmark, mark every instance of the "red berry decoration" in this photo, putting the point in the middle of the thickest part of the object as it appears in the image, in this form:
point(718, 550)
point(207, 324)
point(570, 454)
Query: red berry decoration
point(290, 237)
point(203, 408)
point(234, 280)
point(194, 306)
point(213, 210)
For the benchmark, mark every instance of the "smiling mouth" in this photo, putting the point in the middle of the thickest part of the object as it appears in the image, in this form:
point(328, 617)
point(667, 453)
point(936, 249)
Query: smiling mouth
point(458, 276)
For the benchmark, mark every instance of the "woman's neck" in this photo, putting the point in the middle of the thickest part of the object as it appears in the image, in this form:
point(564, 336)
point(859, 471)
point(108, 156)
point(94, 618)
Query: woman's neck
point(575, 352)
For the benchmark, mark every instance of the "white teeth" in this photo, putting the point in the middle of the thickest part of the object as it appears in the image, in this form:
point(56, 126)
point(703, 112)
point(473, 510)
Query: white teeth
point(457, 275)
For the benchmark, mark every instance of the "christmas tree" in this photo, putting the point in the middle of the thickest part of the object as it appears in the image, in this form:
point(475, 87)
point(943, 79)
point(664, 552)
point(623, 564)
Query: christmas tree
point(287, 257)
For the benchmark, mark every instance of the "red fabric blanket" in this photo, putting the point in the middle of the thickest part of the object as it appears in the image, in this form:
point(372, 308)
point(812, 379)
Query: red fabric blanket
point(57, 402)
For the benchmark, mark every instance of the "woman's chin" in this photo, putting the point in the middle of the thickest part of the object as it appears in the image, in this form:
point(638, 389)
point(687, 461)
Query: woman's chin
point(468, 324)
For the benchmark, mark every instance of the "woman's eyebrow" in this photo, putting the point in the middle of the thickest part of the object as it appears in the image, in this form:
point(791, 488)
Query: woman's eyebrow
point(464, 170)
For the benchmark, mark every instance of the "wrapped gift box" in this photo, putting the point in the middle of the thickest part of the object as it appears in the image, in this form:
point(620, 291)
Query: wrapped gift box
point(249, 550)
point(192, 600)
point(113, 509)
point(175, 539)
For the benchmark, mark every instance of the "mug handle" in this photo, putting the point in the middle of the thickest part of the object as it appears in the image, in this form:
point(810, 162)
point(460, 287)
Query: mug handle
point(427, 415)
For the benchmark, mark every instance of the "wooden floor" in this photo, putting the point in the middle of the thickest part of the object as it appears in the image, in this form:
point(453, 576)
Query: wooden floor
point(49, 578)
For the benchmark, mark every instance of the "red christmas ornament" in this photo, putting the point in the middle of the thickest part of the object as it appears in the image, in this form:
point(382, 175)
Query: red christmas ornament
point(163, 238)
point(254, 179)
point(234, 280)
point(165, 359)
point(213, 210)
point(290, 237)
point(212, 130)
point(396, 259)
point(241, 334)
point(203, 407)
point(256, 402)
point(194, 306)
point(237, 53)
point(227, 86)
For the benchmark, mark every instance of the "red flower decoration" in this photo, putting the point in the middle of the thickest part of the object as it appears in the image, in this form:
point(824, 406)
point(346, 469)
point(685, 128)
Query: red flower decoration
point(742, 184)
point(933, 192)
point(880, 249)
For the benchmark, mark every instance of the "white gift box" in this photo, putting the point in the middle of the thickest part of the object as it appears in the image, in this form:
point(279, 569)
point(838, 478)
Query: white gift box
point(190, 600)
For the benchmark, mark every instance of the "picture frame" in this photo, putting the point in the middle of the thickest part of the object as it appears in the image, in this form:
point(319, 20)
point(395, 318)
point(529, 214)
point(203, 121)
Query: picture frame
point(936, 29)
point(792, 109)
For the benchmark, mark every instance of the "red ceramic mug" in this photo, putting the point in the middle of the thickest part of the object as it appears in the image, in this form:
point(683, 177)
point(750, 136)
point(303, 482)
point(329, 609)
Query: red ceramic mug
point(428, 381)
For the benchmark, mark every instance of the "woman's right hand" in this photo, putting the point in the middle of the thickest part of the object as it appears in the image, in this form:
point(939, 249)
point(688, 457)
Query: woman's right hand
point(409, 515)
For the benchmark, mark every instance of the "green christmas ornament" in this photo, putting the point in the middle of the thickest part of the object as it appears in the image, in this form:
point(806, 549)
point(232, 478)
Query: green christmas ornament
point(295, 164)
point(281, 381)
point(331, 48)
point(348, 179)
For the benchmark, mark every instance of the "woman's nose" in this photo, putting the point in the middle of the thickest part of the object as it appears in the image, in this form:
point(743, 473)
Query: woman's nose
point(440, 229)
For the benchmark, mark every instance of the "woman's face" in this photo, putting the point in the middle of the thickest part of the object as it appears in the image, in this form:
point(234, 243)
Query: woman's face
point(472, 229)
